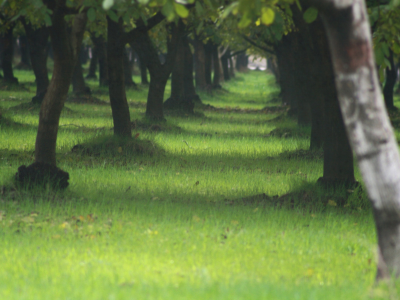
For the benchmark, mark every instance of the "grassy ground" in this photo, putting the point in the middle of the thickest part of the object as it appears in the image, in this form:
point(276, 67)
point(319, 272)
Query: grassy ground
point(170, 223)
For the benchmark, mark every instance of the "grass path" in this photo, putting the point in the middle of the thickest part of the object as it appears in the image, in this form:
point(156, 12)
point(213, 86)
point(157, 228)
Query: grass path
point(162, 226)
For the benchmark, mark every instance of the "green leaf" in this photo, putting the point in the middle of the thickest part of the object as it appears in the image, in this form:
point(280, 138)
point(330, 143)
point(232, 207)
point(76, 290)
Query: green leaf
point(47, 20)
point(267, 16)
point(113, 16)
point(310, 14)
point(200, 27)
point(229, 9)
point(244, 21)
point(396, 48)
point(199, 8)
point(168, 10)
point(91, 14)
point(385, 49)
point(379, 55)
point(143, 2)
point(181, 10)
point(107, 4)
point(387, 63)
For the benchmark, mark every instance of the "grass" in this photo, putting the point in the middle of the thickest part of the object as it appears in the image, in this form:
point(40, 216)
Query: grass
point(168, 223)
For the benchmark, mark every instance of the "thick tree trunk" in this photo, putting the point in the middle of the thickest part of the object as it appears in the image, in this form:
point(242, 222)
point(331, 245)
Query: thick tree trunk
point(66, 50)
point(38, 50)
point(8, 54)
point(115, 58)
point(391, 78)
point(94, 60)
point(366, 120)
point(200, 62)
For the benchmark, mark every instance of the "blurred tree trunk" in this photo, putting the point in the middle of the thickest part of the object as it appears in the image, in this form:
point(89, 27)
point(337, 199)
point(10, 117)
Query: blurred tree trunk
point(391, 78)
point(366, 120)
point(101, 46)
point(38, 50)
point(200, 62)
point(25, 63)
point(66, 49)
point(7, 39)
point(115, 59)
point(94, 60)
point(128, 70)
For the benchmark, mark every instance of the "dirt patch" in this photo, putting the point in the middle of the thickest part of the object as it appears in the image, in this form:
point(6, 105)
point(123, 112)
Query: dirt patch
point(32, 108)
point(115, 148)
point(143, 125)
point(40, 175)
point(86, 99)
point(287, 133)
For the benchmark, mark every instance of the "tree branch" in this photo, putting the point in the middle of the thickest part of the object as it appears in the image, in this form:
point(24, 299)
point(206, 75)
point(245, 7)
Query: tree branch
point(250, 41)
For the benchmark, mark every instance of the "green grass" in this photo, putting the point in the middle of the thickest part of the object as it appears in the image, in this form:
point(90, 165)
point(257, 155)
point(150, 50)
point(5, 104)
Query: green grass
point(169, 225)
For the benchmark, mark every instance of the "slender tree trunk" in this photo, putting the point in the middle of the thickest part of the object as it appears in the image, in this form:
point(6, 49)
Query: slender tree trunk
point(200, 62)
point(78, 81)
point(143, 70)
point(178, 73)
point(66, 50)
point(225, 64)
point(366, 120)
point(115, 58)
point(208, 48)
point(391, 78)
point(217, 67)
point(101, 47)
point(38, 50)
point(93, 64)
point(25, 63)
point(8, 54)
point(189, 89)
point(128, 70)
point(231, 67)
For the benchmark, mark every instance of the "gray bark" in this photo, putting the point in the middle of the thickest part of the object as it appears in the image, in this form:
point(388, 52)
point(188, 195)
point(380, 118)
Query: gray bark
point(366, 120)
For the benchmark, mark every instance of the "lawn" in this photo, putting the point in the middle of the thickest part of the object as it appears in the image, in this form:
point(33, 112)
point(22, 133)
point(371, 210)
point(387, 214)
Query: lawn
point(168, 215)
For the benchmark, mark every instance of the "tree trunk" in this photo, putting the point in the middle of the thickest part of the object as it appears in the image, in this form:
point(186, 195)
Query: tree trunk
point(143, 70)
point(178, 73)
point(225, 64)
point(231, 67)
point(78, 82)
point(159, 73)
point(189, 89)
point(366, 120)
point(200, 62)
point(25, 63)
point(391, 78)
point(217, 67)
point(66, 50)
point(208, 49)
point(242, 62)
point(38, 50)
point(93, 63)
point(128, 70)
point(8, 54)
point(100, 45)
point(115, 58)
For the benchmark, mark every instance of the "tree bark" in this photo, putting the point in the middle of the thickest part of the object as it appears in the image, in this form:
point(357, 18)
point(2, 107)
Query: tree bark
point(200, 62)
point(231, 67)
point(391, 78)
point(368, 126)
point(94, 60)
point(25, 63)
point(101, 46)
point(143, 70)
point(78, 81)
point(189, 88)
point(66, 49)
point(217, 67)
point(38, 50)
point(159, 73)
point(115, 58)
point(128, 70)
point(208, 49)
point(225, 64)
point(8, 54)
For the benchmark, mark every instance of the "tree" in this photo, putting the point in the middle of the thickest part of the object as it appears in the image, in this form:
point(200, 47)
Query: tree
point(367, 124)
